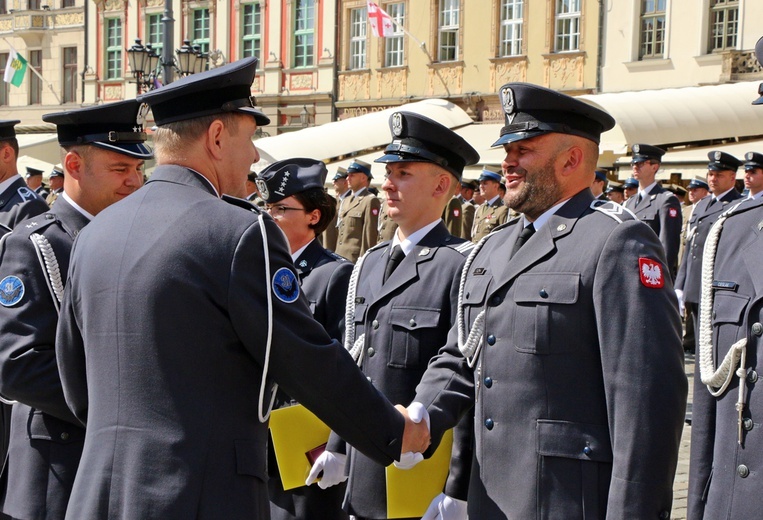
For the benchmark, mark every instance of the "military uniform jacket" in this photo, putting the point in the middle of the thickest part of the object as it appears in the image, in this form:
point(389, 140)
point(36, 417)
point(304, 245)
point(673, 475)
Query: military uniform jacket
point(661, 211)
point(467, 221)
point(357, 230)
point(166, 369)
point(724, 477)
point(46, 440)
point(387, 226)
point(488, 217)
point(405, 321)
point(706, 212)
point(453, 217)
point(18, 203)
point(578, 405)
point(329, 235)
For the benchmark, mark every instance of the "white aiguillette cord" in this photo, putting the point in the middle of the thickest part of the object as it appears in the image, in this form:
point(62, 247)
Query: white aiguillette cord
point(265, 415)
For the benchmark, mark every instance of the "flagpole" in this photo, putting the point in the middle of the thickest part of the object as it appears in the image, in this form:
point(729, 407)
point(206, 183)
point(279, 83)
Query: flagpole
point(37, 73)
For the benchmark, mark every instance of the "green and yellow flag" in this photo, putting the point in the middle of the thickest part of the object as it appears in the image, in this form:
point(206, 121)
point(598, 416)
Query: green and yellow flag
point(15, 69)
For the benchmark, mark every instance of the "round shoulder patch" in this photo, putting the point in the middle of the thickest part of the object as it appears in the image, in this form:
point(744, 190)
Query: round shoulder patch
point(11, 291)
point(286, 285)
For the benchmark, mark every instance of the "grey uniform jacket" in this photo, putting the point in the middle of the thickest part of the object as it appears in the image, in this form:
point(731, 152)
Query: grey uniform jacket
point(405, 321)
point(161, 345)
point(18, 203)
point(46, 439)
point(580, 393)
point(725, 479)
point(706, 212)
point(661, 211)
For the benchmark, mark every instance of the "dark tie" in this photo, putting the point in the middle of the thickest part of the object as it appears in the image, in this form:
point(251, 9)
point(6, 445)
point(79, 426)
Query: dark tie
point(638, 199)
point(393, 261)
point(523, 237)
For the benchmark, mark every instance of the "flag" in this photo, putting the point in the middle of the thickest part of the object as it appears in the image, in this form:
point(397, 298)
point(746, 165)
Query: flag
point(381, 22)
point(15, 69)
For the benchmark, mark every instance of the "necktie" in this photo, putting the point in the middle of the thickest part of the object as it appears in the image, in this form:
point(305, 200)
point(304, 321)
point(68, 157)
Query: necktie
point(523, 237)
point(638, 199)
point(393, 261)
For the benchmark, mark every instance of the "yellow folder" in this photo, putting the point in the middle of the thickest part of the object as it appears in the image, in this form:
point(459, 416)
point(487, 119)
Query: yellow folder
point(409, 491)
point(296, 431)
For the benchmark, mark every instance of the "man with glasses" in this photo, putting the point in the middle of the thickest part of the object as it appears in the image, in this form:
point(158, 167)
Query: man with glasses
point(358, 219)
point(655, 206)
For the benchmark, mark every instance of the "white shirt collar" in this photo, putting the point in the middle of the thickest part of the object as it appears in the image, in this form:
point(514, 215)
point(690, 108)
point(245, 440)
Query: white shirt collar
point(540, 221)
point(722, 194)
point(345, 194)
point(414, 238)
point(76, 206)
point(756, 196)
point(645, 192)
point(296, 254)
point(361, 190)
point(491, 201)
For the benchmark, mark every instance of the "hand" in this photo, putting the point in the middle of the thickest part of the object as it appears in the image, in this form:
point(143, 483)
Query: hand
point(332, 466)
point(680, 298)
point(444, 507)
point(408, 460)
point(416, 436)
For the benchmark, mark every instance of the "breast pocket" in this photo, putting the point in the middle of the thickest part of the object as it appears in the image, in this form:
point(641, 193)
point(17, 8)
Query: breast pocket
point(540, 300)
point(413, 336)
point(475, 291)
point(353, 222)
point(728, 315)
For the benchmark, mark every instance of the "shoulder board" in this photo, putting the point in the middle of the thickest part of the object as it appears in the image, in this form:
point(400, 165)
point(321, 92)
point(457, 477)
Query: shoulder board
point(378, 246)
point(335, 256)
point(241, 203)
point(464, 248)
point(35, 224)
point(613, 210)
point(27, 194)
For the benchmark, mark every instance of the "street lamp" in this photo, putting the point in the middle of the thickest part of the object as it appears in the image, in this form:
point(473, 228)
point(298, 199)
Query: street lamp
point(143, 62)
point(304, 117)
point(190, 59)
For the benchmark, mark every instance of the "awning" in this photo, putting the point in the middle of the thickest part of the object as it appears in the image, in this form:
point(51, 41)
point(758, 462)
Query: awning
point(25, 160)
point(43, 147)
point(680, 115)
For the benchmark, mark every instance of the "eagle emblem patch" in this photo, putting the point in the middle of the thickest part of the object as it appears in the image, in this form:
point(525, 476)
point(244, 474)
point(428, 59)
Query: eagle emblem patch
point(397, 124)
point(11, 291)
point(651, 273)
point(285, 285)
point(263, 188)
point(507, 100)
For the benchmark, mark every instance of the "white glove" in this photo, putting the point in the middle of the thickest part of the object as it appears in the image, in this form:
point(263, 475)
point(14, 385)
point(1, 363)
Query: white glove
point(680, 298)
point(444, 507)
point(332, 466)
point(417, 412)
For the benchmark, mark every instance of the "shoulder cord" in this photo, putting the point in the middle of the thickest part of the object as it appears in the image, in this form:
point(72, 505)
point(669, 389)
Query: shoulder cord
point(353, 346)
point(471, 346)
point(49, 264)
point(717, 381)
point(264, 415)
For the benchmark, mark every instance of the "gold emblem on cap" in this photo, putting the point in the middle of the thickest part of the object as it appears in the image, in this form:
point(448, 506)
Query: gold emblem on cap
point(507, 100)
point(717, 156)
point(397, 124)
point(264, 192)
point(636, 148)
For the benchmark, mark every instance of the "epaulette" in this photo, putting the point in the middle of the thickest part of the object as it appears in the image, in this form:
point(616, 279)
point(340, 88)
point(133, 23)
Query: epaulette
point(464, 248)
point(378, 246)
point(242, 203)
point(613, 210)
point(335, 256)
point(35, 224)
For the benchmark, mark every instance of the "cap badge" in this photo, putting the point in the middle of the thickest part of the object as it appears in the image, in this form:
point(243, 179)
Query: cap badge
point(636, 148)
point(748, 156)
point(507, 100)
point(561, 227)
point(140, 119)
point(717, 156)
point(650, 272)
point(424, 252)
point(303, 263)
point(263, 187)
point(397, 124)
point(11, 291)
point(285, 285)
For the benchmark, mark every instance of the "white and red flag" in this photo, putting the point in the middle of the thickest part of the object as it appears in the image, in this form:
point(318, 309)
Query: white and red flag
point(381, 22)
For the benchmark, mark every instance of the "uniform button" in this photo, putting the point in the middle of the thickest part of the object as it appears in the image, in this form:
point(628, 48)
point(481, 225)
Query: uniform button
point(752, 377)
point(747, 424)
point(467, 295)
point(369, 379)
point(48, 216)
point(497, 300)
point(543, 293)
point(757, 329)
point(371, 352)
point(64, 436)
point(489, 423)
point(412, 322)
point(587, 450)
point(491, 340)
point(488, 382)
point(664, 515)
point(375, 324)
point(743, 471)
point(713, 315)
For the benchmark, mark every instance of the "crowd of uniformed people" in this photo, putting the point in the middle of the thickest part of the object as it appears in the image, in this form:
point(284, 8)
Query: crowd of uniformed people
point(148, 329)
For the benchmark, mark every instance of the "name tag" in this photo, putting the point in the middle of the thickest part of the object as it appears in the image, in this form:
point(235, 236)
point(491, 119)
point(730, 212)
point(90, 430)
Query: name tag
point(725, 286)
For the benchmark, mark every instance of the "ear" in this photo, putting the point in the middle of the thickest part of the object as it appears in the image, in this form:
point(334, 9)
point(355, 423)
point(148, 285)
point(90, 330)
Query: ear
point(73, 165)
point(572, 160)
point(6, 154)
point(215, 139)
point(315, 216)
point(443, 185)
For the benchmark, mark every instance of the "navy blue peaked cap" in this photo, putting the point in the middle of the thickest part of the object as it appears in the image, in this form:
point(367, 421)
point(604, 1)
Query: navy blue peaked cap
point(8, 128)
point(696, 182)
point(754, 160)
point(531, 110)
point(646, 152)
point(216, 91)
point(630, 182)
point(285, 178)
point(416, 138)
point(117, 127)
point(720, 161)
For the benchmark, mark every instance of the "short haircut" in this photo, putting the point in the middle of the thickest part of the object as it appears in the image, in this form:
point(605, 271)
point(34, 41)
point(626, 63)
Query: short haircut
point(317, 198)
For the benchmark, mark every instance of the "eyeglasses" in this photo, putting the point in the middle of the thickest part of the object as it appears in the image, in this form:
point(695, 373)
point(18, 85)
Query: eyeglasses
point(641, 163)
point(278, 211)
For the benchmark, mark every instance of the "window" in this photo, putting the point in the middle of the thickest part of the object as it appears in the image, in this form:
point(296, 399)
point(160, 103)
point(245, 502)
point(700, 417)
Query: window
point(34, 4)
point(35, 83)
point(652, 29)
point(155, 33)
point(3, 84)
point(447, 47)
point(70, 75)
point(512, 18)
point(358, 24)
point(304, 32)
point(724, 26)
point(67, 3)
point(113, 48)
point(567, 26)
point(3, 7)
point(201, 29)
point(393, 45)
point(251, 31)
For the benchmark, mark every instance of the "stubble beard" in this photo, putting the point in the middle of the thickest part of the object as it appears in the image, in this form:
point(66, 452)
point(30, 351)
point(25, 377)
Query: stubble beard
point(538, 193)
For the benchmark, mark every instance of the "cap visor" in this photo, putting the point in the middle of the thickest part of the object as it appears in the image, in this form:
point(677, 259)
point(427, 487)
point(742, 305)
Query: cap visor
point(259, 118)
point(137, 150)
point(514, 137)
point(393, 158)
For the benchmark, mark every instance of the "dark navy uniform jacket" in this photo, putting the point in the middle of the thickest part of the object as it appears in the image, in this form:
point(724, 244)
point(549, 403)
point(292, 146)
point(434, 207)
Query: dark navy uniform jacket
point(161, 347)
point(579, 394)
point(726, 478)
point(661, 211)
point(707, 211)
point(19, 203)
point(46, 439)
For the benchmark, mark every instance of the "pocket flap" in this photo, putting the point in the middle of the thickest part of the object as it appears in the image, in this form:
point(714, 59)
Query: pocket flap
point(250, 459)
point(360, 312)
point(547, 288)
point(412, 318)
point(48, 428)
point(475, 289)
point(574, 440)
point(729, 307)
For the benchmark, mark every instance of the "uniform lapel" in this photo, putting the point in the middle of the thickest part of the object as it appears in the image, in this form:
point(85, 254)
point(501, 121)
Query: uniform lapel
point(351, 203)
point(71, 220)
point(308, 259)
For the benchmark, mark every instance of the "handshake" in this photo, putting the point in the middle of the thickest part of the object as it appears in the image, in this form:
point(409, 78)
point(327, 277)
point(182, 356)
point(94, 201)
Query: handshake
point(416, 440)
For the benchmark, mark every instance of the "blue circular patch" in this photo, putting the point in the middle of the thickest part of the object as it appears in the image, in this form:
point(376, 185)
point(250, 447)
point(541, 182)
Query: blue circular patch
point(11, 291)
point(286, 285)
